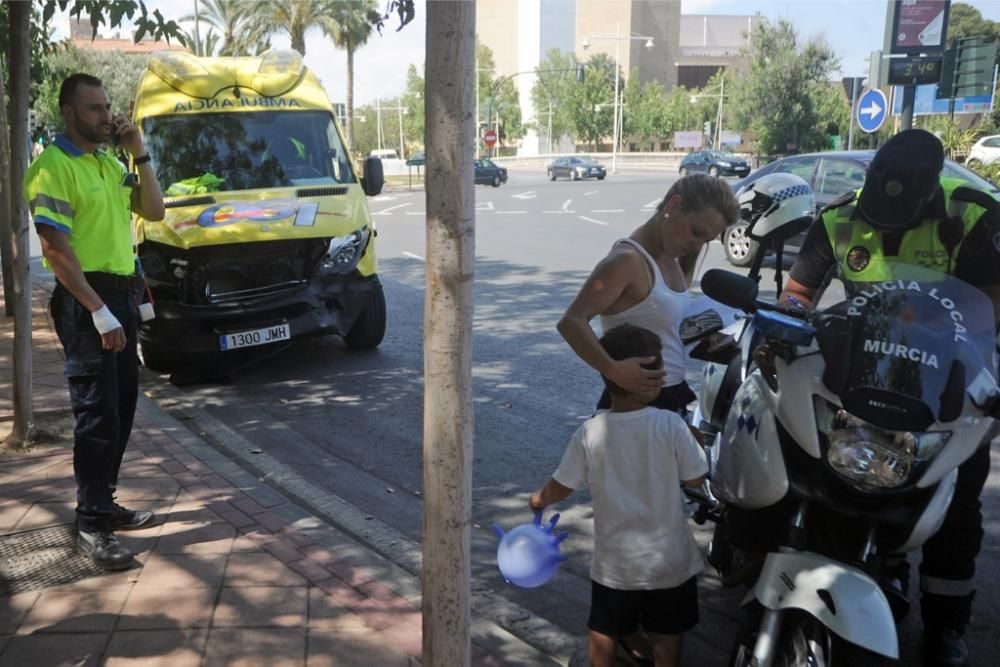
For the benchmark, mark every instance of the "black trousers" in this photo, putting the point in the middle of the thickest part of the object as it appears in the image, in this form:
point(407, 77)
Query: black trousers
point(948, 568)
point(103, 389)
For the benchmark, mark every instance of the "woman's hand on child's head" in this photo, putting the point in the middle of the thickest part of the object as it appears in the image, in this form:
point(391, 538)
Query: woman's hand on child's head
point(630, 375)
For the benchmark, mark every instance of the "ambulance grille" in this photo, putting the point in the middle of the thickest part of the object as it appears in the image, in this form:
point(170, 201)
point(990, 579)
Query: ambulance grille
point(189, 201)
point(321, 192)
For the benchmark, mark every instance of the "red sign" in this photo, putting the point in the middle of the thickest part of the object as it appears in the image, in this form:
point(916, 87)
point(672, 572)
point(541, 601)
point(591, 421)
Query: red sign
point(919, 26)
point(490, 137)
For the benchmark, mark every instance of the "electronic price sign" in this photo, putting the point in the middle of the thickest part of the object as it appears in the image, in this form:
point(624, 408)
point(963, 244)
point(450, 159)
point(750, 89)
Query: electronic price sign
point(914, 71)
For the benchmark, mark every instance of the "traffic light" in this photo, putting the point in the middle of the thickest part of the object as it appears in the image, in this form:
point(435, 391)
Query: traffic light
point(579, 73)
point(32, 120)
point(708, 128)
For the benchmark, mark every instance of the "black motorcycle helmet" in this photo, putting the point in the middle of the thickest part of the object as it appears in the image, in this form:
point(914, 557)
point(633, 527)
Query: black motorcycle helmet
point(902, 178)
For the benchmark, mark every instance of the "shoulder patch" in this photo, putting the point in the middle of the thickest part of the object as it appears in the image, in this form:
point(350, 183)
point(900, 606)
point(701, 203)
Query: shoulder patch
point(842, 200)
point(974, 196)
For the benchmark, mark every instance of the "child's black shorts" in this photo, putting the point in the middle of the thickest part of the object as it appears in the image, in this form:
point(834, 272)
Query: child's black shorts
point(665, 611)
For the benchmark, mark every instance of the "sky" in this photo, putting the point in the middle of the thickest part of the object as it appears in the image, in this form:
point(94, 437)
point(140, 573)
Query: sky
point(853, 28)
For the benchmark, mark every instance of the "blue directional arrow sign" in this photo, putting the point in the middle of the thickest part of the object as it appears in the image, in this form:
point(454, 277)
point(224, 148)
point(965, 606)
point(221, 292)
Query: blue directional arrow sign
point(872, 110)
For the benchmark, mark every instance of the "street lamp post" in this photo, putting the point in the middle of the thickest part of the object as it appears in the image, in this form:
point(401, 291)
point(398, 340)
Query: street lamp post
point(400, 109)
point(617, 125)
point(718, 117)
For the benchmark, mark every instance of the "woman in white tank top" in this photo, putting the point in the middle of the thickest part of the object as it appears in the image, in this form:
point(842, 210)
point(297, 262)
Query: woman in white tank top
point(643, 281)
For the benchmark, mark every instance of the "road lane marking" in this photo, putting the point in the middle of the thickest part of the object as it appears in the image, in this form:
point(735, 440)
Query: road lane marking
point(596, 222)
point(485, 206)
point(652, 204)
point(525, 195)
point(565, 206)
point(511, 212)
point(385, 211)
point(608, 210)
point(592, 192)
point(412, 256)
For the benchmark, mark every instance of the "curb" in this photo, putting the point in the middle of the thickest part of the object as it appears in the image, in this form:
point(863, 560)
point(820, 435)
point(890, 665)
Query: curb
point(376, 552)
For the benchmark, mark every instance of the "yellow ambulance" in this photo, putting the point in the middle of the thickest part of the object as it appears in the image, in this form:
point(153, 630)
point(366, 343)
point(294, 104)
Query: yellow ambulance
point(267, 235)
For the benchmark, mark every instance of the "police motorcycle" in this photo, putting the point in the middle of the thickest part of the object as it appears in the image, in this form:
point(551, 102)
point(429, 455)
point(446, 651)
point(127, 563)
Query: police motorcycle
point(834, 438)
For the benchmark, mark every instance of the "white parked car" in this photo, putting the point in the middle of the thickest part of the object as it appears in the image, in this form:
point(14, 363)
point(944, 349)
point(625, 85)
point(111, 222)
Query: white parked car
point(985, 151)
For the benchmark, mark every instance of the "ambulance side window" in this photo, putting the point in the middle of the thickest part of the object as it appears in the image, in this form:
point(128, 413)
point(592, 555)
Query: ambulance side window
point(339, 158)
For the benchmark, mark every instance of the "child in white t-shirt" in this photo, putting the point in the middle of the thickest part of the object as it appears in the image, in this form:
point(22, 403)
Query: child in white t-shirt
point(634, 459)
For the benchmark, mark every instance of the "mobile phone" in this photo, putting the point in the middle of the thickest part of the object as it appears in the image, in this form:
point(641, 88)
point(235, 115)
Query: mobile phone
point(116, 138)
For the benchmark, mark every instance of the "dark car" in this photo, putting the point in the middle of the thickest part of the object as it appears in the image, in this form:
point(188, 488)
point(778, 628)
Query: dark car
point(830, 175)
point(714, 163)
point(576, 167)
point(489, 173)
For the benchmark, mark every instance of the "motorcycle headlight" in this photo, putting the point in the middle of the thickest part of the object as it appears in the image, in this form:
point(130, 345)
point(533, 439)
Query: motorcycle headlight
point(344, 252)
point(871, 458)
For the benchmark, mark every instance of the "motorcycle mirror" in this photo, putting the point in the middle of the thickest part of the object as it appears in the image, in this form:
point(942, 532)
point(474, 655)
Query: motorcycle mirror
point(731, 289)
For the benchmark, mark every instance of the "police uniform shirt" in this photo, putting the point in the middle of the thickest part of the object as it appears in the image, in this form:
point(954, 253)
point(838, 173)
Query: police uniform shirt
point(978, 261)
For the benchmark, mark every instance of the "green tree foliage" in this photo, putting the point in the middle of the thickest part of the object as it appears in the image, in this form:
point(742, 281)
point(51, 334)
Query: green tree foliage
point(349, 24)
point(498, 98)
point(554, 83)
point(239, 32)
point(591, 106)
point(966, 21)
point(679, 111)
point(413, 102)
point(645, 117)
point(774, 96)
point(833, 110)
point(119, 71)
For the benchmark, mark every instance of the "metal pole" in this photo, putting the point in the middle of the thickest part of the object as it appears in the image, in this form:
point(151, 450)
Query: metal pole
point(378, 121)
point(614, 131)
point(550, 126)
point(402, 147)
point(718, 123)
point(854, 111)
point(478, 140)
point(909, 97)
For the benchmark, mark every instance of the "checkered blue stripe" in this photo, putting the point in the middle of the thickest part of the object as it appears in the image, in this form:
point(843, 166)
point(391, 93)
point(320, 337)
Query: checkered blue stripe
point(788, 193)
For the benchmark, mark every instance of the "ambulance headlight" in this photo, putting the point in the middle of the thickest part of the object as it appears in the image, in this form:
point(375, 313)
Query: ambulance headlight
point(870, 458)
point(345, 252)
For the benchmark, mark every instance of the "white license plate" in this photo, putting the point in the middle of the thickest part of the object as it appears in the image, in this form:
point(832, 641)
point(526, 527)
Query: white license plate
point(255, 337)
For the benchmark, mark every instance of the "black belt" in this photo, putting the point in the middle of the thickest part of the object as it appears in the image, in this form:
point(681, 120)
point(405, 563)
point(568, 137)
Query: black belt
point(111, 281)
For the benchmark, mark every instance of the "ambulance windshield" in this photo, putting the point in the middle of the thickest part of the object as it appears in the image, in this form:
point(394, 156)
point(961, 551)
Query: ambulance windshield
point(246, 151)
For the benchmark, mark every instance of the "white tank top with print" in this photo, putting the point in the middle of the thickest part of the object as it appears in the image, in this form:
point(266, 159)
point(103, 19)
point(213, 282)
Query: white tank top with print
point(660, 312)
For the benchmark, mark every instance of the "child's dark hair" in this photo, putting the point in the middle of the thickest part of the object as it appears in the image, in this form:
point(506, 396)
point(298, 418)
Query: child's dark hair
point(627, 340)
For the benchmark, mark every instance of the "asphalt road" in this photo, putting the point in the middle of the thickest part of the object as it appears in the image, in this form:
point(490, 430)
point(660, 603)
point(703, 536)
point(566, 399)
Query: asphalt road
point(352, 423)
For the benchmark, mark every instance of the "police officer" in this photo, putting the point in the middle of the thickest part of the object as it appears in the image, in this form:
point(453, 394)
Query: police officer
point(908, 212)
point(81, 199)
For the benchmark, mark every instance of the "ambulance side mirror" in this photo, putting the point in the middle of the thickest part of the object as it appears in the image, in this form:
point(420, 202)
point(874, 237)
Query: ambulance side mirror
point(373, 179)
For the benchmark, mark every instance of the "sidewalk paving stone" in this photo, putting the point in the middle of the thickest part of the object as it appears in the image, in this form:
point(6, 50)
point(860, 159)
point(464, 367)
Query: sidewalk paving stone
point(232, 572)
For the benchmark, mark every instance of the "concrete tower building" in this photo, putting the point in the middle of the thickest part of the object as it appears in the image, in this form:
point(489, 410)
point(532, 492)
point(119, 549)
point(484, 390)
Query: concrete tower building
point(521, 32)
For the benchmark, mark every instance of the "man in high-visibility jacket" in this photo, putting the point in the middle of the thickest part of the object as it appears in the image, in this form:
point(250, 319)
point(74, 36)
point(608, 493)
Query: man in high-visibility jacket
point(908, 213)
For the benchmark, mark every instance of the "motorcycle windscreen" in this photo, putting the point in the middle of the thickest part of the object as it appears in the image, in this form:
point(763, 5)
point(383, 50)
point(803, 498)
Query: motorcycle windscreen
point(902, 354)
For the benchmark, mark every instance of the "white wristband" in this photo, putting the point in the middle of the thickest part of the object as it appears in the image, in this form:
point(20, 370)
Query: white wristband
point(105, 321)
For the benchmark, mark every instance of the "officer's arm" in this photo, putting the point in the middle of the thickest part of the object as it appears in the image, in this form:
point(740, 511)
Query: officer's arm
point(797, 294)
point(66, 267)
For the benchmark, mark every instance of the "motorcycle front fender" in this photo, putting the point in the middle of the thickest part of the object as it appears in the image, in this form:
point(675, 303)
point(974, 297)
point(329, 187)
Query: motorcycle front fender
point(843, 598)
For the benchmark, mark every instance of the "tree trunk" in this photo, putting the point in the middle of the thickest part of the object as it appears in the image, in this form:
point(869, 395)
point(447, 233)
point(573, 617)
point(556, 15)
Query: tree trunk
point(349, 121)
point(20, 66)
point(6, 228)
point(299, 41)
point(449, 105)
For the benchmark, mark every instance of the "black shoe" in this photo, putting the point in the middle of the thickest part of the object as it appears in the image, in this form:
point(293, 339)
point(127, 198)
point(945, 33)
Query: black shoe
point(125, 519)
point(945, 647)
point(104, 549)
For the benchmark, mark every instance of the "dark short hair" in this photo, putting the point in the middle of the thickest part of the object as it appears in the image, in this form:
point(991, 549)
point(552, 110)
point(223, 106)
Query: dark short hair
point(627, 340)
point(67, 91)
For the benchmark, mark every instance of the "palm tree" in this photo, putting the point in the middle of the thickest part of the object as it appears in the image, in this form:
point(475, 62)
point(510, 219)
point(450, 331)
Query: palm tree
point(349, 25)
point(293, 17)
point(242, 32)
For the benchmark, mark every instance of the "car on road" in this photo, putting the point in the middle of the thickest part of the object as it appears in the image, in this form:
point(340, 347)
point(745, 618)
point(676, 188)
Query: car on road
point(830, 174)
point(985, 151)
point(489, 173)
point(714, 163)
point(576, 167)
